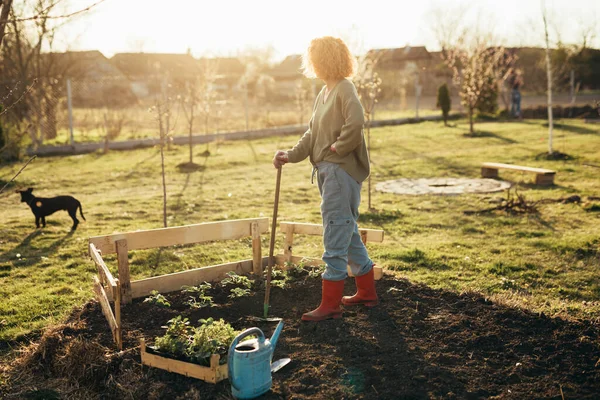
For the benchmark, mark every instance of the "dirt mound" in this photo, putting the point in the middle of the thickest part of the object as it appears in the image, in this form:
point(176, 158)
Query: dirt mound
point(418, 343)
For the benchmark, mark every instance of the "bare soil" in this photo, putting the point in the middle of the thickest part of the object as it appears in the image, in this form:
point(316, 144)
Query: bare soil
point(419, 343)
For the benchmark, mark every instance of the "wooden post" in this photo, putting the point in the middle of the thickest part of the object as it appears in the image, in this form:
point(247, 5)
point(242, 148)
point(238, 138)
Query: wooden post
point(544, 179)
point(257, 267)
point(124, 276)
point(363, 237)
point(118, 334)
point(288, 244)
point(489, 172)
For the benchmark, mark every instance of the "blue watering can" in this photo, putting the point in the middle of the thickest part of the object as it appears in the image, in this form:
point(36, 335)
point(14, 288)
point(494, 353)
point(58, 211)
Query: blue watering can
point(249, 363)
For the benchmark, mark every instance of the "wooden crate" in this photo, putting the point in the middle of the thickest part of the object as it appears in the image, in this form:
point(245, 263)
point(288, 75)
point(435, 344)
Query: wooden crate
point(213, 374)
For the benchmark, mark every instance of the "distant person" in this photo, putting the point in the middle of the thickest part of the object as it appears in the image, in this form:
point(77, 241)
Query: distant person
point(515, 82)
point(335, 145)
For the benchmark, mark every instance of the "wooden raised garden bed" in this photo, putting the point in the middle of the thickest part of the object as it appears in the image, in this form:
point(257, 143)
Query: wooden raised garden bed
point(120, 291)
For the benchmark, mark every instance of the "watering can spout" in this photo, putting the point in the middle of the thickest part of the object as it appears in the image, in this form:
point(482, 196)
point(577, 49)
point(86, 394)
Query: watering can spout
point(275, 336)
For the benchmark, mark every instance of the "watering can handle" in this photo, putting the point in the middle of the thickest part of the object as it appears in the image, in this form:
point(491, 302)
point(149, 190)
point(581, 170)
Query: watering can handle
point(247, 332)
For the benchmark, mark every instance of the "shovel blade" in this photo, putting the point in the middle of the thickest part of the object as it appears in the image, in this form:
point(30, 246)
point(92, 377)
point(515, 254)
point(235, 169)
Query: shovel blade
point(277, 365)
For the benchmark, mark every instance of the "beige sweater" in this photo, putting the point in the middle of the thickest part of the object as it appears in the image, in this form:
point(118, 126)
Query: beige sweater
point(338, 120)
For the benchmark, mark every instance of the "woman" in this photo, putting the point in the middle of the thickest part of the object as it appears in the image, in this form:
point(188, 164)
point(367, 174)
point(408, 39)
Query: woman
point(335, 145)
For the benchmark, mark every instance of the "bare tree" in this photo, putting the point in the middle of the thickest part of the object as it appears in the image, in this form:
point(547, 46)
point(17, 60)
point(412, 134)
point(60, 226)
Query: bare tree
point(549, 78)
point(36, 77)
point(189, 104)
point(113, 123)
point(4, 12)
point(207, 94)
point(476, 67)
point(163, 108)
point(368, 85)
point(301, 100)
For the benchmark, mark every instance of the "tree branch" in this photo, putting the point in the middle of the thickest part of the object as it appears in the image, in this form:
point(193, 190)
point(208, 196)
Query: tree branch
point(39, 16)
point(5, 6)
point(14, 177)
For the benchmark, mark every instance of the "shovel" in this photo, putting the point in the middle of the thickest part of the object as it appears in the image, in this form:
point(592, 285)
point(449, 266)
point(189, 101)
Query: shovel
point(272, 246)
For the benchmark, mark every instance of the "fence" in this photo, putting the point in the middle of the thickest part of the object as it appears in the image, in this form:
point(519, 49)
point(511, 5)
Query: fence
point(118, 109)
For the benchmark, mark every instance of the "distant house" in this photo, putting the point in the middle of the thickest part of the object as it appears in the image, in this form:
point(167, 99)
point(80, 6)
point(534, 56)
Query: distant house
point(91, 65)
point(227, 70)
point(400, 69)
point(400, 58)
point(147, 72)
point(288, 77)
point(95, 81)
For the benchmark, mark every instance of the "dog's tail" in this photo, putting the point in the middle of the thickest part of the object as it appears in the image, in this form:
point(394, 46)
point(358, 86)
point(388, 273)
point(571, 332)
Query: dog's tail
point(81, 212)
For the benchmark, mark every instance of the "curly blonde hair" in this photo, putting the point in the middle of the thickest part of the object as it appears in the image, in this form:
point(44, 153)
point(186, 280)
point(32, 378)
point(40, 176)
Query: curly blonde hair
point(328, 58)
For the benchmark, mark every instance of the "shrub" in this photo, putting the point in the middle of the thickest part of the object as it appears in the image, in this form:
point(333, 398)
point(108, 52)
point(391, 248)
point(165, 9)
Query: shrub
point(444, 102)
point(487, 102)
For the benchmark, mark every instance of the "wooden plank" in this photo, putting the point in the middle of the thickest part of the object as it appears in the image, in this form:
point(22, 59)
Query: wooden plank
point(517, 168)
point(188, 234)
point(257, 267)
point(373, 235)
point(213, 374)
point(105, 306)
point(102, 268)
point(117, 303)
point(281, 259)
point(124, 277)
point(315, 262)
point(174, 282)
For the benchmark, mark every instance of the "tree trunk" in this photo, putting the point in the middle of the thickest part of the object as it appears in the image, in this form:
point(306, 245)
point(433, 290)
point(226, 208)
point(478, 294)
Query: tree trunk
point(4, 11)
point(163, 137)
point(471, 130)
point(191, 129)
point(549, 78)
point(206, 130)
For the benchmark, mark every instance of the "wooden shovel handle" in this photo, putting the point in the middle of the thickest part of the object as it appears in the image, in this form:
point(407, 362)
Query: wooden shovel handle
point(272, 244)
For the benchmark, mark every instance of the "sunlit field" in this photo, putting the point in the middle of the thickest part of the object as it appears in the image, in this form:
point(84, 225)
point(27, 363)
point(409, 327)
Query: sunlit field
point(545, 261)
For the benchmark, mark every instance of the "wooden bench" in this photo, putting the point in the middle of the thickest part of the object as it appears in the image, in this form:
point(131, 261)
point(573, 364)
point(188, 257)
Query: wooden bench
point(544, 177)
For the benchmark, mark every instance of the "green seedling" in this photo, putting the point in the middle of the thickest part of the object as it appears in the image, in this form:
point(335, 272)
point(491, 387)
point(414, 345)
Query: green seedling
point(238, 292)
point(157, 299)
point(237, 280)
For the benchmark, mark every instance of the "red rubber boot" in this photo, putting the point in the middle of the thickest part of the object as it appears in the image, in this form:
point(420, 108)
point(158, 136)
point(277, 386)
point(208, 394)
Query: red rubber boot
point(365, 293)
point(330, 302)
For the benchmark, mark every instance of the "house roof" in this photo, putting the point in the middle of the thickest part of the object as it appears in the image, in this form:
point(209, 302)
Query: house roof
point(390, 58)
point(143, 64)
point(290, 68)
point(225, 66)
point(80, 64)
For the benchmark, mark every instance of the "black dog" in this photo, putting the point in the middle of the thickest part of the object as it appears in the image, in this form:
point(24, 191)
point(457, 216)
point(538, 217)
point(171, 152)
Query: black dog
point(42, 207)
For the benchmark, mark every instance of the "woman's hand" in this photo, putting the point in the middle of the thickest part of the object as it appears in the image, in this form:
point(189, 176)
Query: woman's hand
point(280, 159)
point(332, 147)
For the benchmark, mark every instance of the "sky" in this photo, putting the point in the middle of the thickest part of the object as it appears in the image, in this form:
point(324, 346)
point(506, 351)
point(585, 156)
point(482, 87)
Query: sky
point(226, 27)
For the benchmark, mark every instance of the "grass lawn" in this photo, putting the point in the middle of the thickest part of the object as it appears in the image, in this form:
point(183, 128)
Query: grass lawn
point(547, 261)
